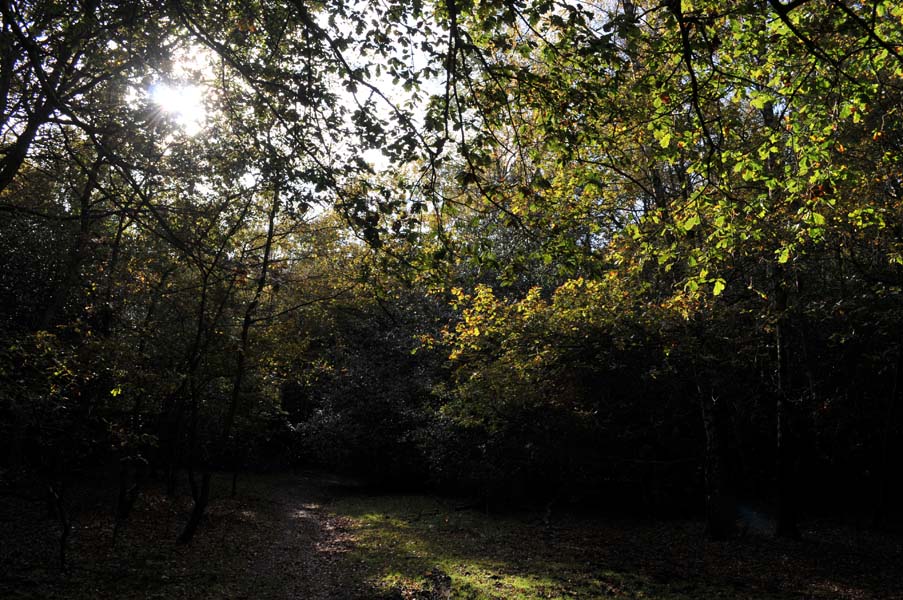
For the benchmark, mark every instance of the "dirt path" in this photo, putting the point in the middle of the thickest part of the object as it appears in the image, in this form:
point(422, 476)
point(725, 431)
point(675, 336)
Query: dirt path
point(304, 557)
point(273, 541)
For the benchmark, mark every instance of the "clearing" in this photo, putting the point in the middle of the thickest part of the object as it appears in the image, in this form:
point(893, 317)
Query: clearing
point(312, 536)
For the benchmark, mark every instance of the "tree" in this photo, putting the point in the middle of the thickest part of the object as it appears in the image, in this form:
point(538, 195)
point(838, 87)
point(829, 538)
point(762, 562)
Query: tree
point(715, 138)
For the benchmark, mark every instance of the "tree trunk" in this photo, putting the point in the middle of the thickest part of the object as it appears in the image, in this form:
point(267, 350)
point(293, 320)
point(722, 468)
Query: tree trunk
point(128, 494)
point(70, 276)
point(173, 424)
point(200, 494)
point(887, 484)
point(720, 504)
point(18, 151)
point(202, 497)
point(56, 497)
point(786, 451)
point(247, 322)
point(105, 322)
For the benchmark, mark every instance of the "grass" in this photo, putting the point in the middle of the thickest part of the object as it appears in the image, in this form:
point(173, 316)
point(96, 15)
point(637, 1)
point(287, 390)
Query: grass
point(422, 547)
point(416, 546)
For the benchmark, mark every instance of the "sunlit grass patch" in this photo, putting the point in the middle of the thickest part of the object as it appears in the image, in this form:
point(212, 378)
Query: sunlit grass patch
point(424, 547)
point(410, 545)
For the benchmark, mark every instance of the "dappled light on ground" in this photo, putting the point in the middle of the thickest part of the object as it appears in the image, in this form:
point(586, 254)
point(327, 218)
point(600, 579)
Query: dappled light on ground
point(303, 536)
point(412, 545)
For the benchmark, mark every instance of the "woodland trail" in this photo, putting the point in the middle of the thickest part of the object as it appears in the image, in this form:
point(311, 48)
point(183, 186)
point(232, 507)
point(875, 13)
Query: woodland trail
point(310, 536)
point(274, 540)
point(300, 547)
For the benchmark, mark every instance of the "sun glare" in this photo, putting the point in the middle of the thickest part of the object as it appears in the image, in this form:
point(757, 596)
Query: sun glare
point(184, 102)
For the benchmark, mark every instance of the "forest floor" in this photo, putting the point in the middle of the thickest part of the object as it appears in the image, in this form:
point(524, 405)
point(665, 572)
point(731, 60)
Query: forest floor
point(316, 537)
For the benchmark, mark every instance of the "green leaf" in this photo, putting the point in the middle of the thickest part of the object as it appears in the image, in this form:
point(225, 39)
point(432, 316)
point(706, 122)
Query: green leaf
point(690, 223)
point(719, 287)
point(784, 256)
point(759, 101)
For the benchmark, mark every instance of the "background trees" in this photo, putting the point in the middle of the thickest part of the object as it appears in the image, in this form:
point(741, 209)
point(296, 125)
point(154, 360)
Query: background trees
point(697, 151)
point(633, 253)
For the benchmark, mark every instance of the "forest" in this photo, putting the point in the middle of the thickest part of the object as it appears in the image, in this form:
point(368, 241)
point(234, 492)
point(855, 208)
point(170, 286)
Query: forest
point(591, 272)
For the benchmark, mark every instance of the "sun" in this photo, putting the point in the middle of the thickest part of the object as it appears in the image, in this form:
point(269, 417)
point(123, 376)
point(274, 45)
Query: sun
point(185, 103)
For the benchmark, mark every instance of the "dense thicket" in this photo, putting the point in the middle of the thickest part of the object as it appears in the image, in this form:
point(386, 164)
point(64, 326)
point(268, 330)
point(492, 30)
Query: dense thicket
point(630, 254)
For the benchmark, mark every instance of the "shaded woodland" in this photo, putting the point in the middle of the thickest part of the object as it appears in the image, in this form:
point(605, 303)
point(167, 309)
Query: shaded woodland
point(634, 258)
